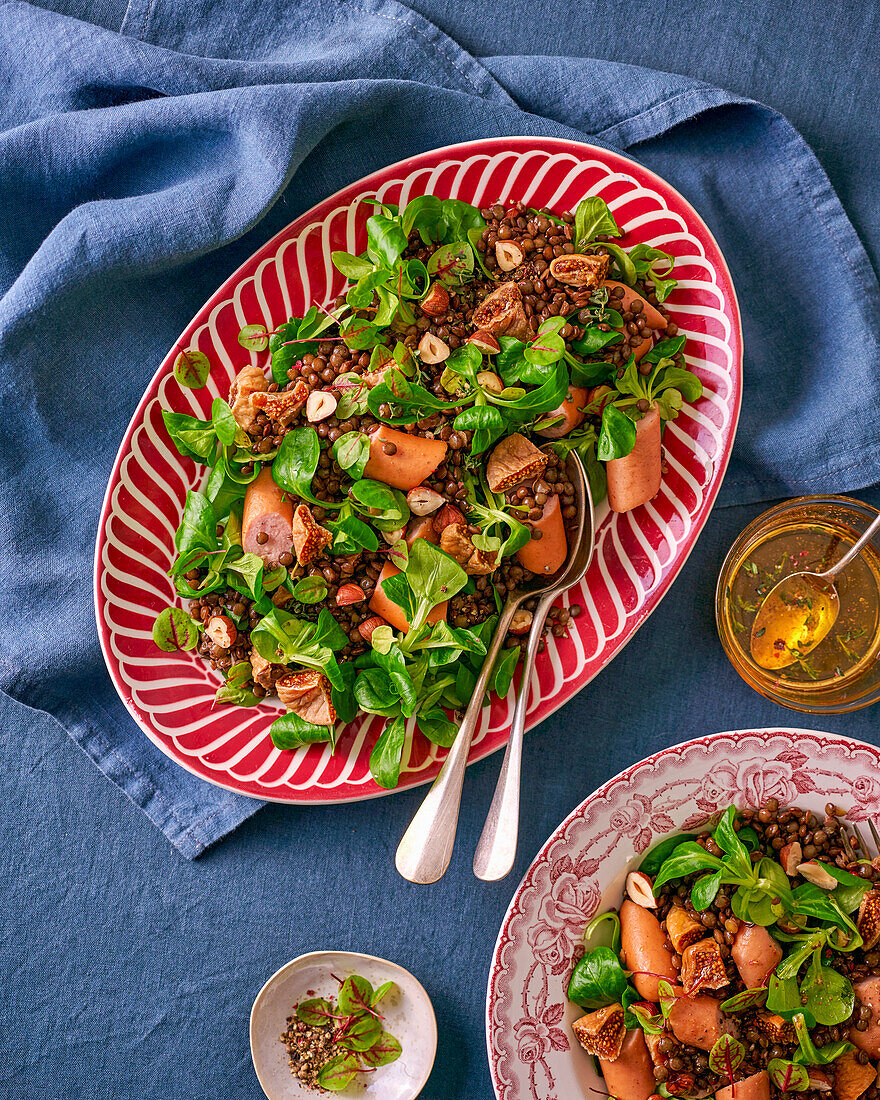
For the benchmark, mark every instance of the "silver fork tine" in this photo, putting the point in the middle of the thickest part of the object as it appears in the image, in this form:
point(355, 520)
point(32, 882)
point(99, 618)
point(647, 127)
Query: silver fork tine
point(847, 847)
point(874, 833)
point(862, 844)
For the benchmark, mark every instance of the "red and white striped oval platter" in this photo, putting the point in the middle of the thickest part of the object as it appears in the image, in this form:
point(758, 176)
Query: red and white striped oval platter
point(171, 696)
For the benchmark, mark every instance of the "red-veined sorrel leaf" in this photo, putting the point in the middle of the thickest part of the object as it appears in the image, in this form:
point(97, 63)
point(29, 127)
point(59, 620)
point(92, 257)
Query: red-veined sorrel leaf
point(339, 1072)
point(787, 1076)
point(360, 1032)
point(254, 337)
point(174, 629)
point(355, 995)
point(386, 1050)
point(749, 998)
point(316, 1012)
point(191, 368)
point(726, 1056)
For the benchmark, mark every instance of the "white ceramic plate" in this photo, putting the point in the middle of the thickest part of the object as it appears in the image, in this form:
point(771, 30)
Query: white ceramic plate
point(533, 1054)
point(409, 1017)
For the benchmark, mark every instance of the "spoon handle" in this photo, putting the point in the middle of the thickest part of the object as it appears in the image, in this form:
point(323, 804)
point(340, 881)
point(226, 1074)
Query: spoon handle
point(496, 850)
point(855, 549)
point(426, 848)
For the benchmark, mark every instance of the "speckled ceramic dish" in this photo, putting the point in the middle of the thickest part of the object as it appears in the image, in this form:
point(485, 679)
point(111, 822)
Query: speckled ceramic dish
point(408, 1016)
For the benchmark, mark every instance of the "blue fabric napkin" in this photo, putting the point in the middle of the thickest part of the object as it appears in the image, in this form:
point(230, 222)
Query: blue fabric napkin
point(139, 168)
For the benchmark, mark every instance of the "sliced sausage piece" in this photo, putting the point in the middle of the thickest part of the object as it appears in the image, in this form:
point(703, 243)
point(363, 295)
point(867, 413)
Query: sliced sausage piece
point(756, 1087)
point(382, 605)
point(631, 1075)
point(696, 1021)
point(572, 412)
point(546, 554)
point(634, 479)
point(868, 992)
point(656, 320)
point(267, 512)
point(411, 461)
point(644, 950)
point(756, 954)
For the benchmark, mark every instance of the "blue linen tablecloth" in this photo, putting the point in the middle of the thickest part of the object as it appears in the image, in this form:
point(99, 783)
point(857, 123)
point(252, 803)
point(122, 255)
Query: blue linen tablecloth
point(145, 150)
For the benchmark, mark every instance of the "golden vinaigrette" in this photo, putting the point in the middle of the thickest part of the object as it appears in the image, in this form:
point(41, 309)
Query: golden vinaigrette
point(796, 616)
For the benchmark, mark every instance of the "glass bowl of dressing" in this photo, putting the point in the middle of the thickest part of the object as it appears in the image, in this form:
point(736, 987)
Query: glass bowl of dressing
point(809, 533)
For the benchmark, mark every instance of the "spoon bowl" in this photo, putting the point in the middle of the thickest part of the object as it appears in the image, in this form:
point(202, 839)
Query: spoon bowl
point(796, 615)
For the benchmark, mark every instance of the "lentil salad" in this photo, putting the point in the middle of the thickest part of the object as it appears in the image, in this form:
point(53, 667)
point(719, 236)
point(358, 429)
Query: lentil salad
point(743, 963)
point(389, 468)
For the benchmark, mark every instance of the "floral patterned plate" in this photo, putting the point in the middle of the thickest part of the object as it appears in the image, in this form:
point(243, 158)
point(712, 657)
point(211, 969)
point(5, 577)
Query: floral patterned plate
point(532, 1052)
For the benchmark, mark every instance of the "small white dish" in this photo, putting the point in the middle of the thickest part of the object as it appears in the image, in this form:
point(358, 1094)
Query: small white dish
point(409, 1017)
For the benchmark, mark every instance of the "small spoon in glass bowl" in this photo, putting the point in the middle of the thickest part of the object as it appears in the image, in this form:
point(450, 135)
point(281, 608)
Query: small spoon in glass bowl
point(426, 848)
point(798, 612)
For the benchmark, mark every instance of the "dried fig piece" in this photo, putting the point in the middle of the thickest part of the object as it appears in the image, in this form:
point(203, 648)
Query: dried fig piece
point(307, 694)
point(263, 672)
point(282, 407)
point(584, 272)
point(309, 538)
point(456, 541)
point(249, 381)
point(513, 460)
point(601, 1033)
point(502, 313)
point(777, 1028)
point(702, 967)
point(868, 921)
point(851, 1078)
point(682, 928)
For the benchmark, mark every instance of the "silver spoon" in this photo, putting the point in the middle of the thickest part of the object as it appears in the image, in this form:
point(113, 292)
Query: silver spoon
point(426, 848)
point(496, 850)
